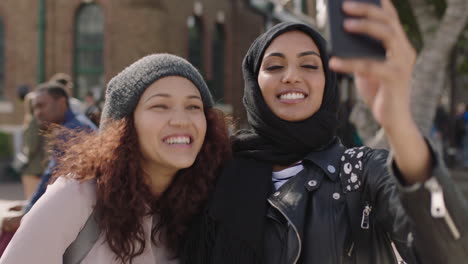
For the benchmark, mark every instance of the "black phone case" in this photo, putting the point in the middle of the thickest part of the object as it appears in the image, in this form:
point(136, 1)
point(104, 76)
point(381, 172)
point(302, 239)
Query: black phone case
point(347, 45)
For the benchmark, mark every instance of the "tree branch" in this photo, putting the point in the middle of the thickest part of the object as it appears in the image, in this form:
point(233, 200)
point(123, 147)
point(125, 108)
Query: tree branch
point(430, 68)
point(426, 18)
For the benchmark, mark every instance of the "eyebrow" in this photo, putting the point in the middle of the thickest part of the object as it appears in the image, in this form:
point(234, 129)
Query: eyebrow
point(168, 96)
point(305, 53)
point(276, 54)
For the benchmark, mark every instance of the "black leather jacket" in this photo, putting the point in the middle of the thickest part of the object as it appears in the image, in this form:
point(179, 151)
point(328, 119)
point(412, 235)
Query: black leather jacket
point(309, 219)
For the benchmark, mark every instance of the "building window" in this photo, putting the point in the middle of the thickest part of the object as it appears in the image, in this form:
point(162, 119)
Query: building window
point(2, 60)
point(195, 42)
point(89, 46)
point(300, 6)
point(217, 84)
point(304, 7)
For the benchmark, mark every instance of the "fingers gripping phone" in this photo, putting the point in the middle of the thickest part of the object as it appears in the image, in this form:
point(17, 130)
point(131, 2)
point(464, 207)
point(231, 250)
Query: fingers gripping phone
point(349, 45)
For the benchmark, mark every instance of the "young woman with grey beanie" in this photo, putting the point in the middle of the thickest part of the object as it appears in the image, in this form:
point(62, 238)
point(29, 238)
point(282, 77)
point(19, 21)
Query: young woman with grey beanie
point(141, 178)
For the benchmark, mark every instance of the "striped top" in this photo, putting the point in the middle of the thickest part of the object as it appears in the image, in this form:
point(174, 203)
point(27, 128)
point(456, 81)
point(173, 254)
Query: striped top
point(281, 177)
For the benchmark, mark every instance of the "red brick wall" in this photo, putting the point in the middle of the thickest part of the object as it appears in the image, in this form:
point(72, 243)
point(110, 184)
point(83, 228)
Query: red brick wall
point(20, 21)
point(133, 28)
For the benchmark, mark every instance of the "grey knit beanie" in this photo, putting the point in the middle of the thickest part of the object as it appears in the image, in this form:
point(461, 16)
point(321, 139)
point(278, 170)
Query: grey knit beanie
point(125, 89)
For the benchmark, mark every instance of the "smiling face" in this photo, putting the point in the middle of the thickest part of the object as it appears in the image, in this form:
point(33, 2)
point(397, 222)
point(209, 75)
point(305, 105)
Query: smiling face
point(170, 124)
point(291, 76)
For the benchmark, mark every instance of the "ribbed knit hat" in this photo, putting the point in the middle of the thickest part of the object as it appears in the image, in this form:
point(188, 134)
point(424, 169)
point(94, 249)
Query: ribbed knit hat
point(125, 89)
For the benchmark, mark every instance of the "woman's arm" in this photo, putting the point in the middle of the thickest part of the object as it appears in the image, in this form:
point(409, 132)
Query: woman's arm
point(432, 201)
point(52, 224)
point(410, 150)
point(427, 217)
point(385, 85)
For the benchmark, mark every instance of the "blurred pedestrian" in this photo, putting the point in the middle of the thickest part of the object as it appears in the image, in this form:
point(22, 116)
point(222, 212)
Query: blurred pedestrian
point(346, 131)
point(93, 111)
point(51, 108)
point(65, 80)
point(143, 176)
point(440, 128)
point(30, 161)
point(21, 91)
point(34, 149)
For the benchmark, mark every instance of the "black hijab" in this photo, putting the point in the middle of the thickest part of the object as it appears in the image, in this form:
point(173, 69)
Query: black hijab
point(230, 230)
point(272, 139)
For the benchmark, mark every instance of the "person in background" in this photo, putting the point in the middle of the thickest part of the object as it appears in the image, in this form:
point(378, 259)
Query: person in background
point(30, 162)
point(65, 80)
point(440, 129)
point(34, 145)
point(21, 91)
point(93, 111)
point(347, 132)
point(52, 110)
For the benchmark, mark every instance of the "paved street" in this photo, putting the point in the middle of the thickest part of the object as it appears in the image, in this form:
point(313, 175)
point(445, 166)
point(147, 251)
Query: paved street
point(11, 191)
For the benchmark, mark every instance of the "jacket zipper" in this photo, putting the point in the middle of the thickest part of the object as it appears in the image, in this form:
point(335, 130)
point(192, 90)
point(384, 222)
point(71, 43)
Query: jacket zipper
point(350, 251)
point(398, 257)
point(438, 209)
point(364, 225)
point(365, 216)
point(295, 231)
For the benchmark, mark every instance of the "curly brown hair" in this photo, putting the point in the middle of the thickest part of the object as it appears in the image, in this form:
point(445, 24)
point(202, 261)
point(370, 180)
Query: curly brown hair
point(112, 157)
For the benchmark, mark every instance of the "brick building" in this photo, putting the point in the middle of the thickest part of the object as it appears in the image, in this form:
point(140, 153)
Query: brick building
point(92, 40)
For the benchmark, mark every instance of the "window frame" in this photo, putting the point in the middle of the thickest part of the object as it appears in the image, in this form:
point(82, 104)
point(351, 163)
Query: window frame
point(195, 45)
point(217, 86)
point(78, 49)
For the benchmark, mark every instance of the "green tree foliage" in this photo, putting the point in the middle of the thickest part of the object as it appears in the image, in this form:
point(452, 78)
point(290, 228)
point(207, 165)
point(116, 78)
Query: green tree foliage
point(412, 29)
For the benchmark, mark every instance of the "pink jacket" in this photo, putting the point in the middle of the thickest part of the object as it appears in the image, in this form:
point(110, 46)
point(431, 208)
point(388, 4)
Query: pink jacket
point(56, 219)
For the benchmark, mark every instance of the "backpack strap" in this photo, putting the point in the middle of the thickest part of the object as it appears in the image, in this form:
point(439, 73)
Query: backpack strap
point(83, 243)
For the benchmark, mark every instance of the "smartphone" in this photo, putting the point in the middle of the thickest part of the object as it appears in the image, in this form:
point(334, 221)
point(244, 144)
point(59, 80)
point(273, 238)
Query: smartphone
point(348, 45)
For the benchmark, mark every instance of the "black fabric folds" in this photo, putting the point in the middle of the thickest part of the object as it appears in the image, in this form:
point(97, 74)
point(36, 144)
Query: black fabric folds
point(272, 139)
point(230, 230)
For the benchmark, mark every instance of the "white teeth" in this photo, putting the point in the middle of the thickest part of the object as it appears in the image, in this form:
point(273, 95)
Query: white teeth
point(292, 96)
point(177, 140)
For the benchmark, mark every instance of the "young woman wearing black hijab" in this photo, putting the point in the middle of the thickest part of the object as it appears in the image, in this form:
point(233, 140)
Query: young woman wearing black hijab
point(285, 197)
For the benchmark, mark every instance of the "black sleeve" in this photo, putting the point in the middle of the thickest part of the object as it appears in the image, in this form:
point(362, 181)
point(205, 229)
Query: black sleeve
point(439, 212)
point(388, 210)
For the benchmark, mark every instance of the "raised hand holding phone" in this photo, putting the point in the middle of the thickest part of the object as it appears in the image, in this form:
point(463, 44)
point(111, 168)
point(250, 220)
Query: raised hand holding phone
point(385, 84)
point(347, 44)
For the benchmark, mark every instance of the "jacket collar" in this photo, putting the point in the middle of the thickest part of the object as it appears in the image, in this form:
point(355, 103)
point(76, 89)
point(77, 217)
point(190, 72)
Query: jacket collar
point(328, 159)
point(69, 116)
